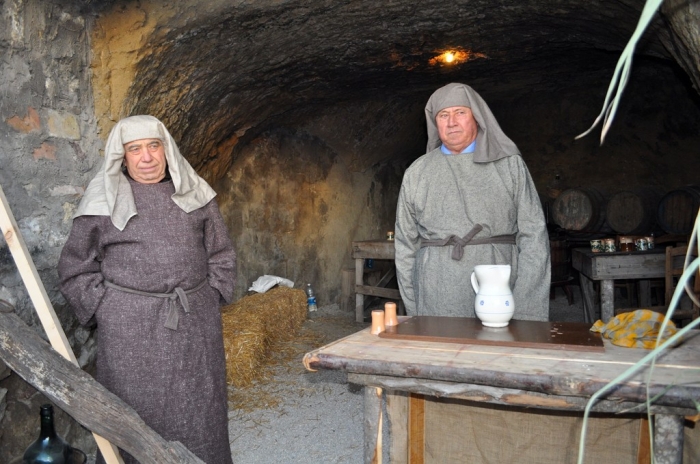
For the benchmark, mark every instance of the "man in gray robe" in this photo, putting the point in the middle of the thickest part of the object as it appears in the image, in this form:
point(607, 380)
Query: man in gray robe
point(150, 261)
point(469, 200)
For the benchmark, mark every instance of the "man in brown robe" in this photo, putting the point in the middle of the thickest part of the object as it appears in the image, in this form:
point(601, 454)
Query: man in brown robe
point(149, 260)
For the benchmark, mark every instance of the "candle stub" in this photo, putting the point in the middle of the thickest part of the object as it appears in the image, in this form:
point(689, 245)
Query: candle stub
point(377, 321)
point(390, 314)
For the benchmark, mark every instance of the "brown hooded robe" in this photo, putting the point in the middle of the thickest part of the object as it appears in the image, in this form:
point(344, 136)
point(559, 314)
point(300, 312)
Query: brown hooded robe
point(174, 379)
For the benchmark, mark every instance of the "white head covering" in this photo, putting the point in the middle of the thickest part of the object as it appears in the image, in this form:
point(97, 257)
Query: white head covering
point(109, 193)
point(491, 143)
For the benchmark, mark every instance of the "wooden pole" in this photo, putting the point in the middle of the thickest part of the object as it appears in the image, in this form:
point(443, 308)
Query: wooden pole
point(373, 425)
point(644, 445)
point(416, 429)
point(81, 396)
point(379, 452)
point(43, 305)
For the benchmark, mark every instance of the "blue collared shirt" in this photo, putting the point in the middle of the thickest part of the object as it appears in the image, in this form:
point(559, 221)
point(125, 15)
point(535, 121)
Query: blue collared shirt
point(469, 149)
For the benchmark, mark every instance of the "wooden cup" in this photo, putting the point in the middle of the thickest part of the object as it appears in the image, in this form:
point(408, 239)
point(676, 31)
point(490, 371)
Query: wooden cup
point(390, 314)
point(377, 322)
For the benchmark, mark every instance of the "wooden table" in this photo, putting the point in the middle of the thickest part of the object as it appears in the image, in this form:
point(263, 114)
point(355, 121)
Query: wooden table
point(372, 249)
point(514, 376)
point(608, 267)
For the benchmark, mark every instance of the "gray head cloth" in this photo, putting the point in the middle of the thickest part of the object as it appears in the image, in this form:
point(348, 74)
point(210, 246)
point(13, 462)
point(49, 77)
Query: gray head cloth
point(109, 192)
point(491, 143)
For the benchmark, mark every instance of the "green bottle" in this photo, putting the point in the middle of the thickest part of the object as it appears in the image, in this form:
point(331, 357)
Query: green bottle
point(49, 448)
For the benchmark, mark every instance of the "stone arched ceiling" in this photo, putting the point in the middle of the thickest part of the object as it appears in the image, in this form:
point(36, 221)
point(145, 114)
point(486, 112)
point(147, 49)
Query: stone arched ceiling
point(218, 71)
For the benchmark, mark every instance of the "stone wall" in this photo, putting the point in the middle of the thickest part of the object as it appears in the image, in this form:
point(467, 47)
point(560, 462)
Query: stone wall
point(297, 196)
point(49, 150)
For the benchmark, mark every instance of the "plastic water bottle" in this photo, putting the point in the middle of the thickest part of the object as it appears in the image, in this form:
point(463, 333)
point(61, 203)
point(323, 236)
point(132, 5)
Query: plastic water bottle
point(311, 298)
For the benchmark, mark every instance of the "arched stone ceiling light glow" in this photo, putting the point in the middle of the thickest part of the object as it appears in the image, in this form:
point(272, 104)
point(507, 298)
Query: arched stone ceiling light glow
point(218, 73)
point(455, 56)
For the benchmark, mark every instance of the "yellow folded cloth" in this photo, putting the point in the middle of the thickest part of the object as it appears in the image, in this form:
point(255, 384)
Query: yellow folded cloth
point(635, 329)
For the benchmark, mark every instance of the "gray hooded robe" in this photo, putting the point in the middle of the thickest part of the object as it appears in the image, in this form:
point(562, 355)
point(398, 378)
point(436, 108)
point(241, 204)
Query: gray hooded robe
point(443, 195)
point(165, 358)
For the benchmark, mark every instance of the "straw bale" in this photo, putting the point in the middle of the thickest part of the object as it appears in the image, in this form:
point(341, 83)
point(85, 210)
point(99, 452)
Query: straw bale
point(253, 325)
point(244, 343)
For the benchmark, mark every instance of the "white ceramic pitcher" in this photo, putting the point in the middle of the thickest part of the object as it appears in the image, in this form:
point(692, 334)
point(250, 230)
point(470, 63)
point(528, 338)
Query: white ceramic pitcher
point(494, 300)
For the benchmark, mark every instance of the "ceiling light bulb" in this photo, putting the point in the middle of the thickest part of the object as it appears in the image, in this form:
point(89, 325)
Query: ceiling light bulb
point(449, 57)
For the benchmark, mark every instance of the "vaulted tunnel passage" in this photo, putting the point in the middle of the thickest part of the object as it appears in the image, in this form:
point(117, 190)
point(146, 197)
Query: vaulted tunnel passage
point(305, 114)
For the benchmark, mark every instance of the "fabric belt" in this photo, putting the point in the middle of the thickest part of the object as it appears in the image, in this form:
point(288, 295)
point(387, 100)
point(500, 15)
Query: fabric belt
point(460, 243)
point(178, 294)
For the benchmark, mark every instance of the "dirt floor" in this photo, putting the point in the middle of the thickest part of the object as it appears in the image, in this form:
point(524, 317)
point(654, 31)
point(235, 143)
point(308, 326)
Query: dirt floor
point(297, 416)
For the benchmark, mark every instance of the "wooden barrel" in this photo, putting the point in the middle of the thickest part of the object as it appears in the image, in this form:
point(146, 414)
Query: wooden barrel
point(580, 209)
point(677, 210)
point(559, 253)
point(633, 211)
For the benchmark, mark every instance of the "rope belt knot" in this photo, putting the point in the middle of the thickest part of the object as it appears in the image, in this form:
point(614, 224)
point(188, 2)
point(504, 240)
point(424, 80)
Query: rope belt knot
point(460, 242)
point(173, 317)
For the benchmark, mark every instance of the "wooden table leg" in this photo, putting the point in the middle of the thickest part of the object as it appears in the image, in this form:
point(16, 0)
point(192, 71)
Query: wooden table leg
point(644, 293)
point(644, 443)
point(416, 429)
point(607, 300)
point(569, 294)
point(668, 439)
point(589, 300)
point(373, 425)
point(359, 297)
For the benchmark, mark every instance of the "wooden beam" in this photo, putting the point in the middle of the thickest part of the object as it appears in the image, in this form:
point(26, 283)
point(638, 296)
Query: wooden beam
point(376, 249)
point(507, 396)
point(386, 278)
point(42, 303)
point(397, 420)
point(416, 429)
point(359, 297)
point(31, 279)
point(373, 425)
point(378, 291)
point(81, 396)
point(589, 298)
point(644, 444)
